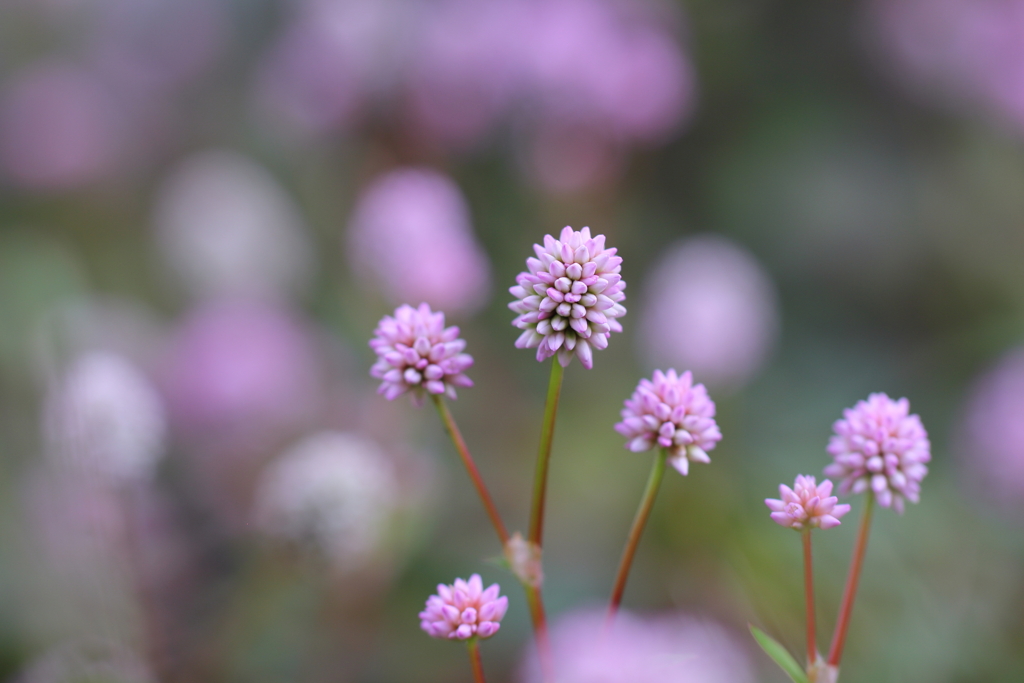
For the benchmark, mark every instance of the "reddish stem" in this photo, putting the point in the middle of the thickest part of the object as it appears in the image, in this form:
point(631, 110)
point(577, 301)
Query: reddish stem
point(850, 592)
point(474, 473)
point(812, 647)
point(540, 630)
point(474, 659)
point(637, 530)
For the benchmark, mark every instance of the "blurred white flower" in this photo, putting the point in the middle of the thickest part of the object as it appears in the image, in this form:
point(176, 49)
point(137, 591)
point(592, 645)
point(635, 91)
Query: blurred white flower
point(411, 232)
point(105, 417)
point(335, 490)
point(226, 227)
point(710, 307)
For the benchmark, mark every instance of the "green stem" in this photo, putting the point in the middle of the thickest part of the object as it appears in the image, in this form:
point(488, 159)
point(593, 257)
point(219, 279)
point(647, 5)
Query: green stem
point(850, 592)
point(812, 646)
point(474, 473)
point(474, 659)
point(639, 521)
point(547, 434)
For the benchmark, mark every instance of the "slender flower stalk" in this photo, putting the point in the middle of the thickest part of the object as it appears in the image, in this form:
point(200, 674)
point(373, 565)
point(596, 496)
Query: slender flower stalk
point(849, 593)
point(535, 601)
point(812, 646)
point(471, 469)
point(639, 521)
point(474, 659)
point(547, 435)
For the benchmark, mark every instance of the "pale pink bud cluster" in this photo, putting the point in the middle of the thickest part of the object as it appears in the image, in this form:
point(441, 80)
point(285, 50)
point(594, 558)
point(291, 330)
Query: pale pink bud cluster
point(807, 505)
point(672, 412)
point(879, 445)
point(569, 300)
point(464, 610)
point(417, 353)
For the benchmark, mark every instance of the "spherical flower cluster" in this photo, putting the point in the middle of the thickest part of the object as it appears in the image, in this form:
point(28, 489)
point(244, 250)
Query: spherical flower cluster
point(670, 648)
point(878, 444)
point(418, 353)
point(464, 610)
point(672, 412)
point(569, 300)
point(806, 505)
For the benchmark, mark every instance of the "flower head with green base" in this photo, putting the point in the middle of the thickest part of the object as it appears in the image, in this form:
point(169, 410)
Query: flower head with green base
point(570, 297)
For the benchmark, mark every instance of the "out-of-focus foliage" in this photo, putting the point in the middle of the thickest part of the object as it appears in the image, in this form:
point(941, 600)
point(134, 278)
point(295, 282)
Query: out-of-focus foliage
point(206, 206)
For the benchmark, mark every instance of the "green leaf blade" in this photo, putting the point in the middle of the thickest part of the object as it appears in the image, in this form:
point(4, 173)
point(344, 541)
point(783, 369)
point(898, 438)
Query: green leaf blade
point(779, 655)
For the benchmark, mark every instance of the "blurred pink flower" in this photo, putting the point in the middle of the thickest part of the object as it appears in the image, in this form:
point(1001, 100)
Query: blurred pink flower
point(464, 610)
point(459, 89)
point(664, 649)
point(333, 57)
point(879, 445)
point(417, 354)
point(226, 227)
point(411, 232)
point(806, 505)
point(709, 306)
point(991, 435)
point(106, 418)
point(569, 300)
point(335, 490)
point(238, 366)
point(968, 52)
point(599, 75)
point(59, 127)
point(672, 413)
point(609, 63)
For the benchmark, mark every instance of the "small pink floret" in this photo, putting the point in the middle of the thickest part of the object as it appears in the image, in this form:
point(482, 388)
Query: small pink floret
point(417, 354)
point(570, 298)
point(879, 445)
point(463, 610)
point(670, 411)
point(807, 505)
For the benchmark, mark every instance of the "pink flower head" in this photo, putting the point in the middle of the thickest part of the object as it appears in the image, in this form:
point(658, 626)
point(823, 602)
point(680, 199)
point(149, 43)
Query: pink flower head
point(569, 300)
point(464, 610)
point(807, 505)
point(878, 444)
point(417, 352)
point(672, 412)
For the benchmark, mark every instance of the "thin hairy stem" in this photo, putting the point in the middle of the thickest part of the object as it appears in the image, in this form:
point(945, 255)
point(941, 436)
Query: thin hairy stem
point(474, 473)
point(637, 530)
point(850, 592)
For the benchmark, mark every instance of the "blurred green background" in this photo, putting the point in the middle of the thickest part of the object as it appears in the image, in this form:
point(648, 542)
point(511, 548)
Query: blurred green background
point(881, 206)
